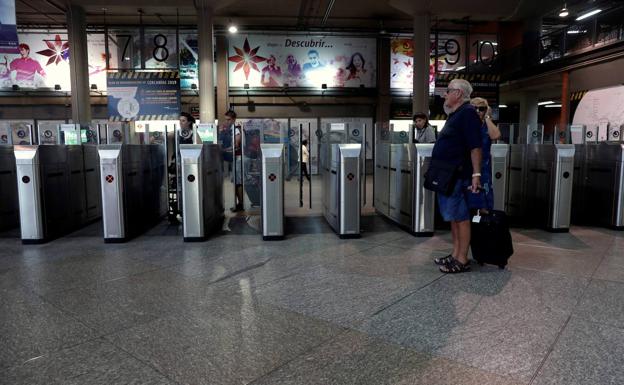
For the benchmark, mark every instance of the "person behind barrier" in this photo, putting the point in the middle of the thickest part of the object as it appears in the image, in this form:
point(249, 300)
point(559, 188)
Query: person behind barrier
point(237, 172)
point(424, 132)
point(484, 199)
point(186, 128)
point(459, 145)
point(304, 158)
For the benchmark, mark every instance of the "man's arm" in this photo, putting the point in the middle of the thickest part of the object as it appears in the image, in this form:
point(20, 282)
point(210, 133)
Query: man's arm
point(475, 158)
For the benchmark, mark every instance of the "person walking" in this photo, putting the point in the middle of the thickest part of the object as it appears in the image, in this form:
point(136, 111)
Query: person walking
point(304, 158)
point(459, 144)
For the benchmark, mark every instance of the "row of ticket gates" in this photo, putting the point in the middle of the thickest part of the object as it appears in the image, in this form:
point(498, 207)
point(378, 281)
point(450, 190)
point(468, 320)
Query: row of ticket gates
point(51, 190)
point(549, 186)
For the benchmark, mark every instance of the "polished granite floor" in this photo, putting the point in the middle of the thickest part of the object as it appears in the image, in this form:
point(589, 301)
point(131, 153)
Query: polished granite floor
point(312, 309)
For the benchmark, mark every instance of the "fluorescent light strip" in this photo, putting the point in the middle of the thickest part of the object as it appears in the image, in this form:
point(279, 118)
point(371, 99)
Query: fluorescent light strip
point(502, 106)
point(588, 14)
point(553, 106)
point(545, 103)
point(575, 32)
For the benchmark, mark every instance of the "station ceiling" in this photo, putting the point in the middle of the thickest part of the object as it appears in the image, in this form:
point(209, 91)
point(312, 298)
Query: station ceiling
point(285, 14)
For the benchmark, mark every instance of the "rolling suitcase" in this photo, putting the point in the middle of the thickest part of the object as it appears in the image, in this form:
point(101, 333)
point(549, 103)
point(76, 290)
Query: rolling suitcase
point(491, 239)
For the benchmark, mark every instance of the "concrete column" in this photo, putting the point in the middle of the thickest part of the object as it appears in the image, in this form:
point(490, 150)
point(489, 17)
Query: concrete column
point(528, 114)
point(206, 58)
point(222, 76)
point(565, 101)
point(78, 64)
point(383, 78)
point(422, 48)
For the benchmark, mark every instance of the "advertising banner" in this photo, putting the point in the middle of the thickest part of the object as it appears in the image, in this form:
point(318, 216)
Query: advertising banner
point(42, 62)
point(301, 61)
point(143, 95)
point(8, 27)
point(402, 66)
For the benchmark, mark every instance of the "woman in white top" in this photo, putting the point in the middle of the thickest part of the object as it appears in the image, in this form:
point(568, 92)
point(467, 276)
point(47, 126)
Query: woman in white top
point(304, 158)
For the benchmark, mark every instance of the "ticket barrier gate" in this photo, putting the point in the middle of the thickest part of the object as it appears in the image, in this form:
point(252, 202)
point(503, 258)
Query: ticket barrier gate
point(550, 174)
point(134, 192)
point(500, 178)
point(516, 205)
point(400, 194)
point(202, 191)
point(598, 197)
point(9, 207)
point(272, 191)
point(341, 188)
point(57, 189)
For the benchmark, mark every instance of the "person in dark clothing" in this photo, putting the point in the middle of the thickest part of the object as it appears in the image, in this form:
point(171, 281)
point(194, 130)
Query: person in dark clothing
point(459, 144)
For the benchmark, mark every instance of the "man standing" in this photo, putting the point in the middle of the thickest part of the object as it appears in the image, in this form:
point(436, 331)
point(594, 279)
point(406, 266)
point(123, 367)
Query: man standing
point(237, 170)
point(459, 143)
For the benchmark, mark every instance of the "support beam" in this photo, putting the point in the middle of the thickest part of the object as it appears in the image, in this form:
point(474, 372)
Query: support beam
point(205, 15)
point(422, 48)
point(565, 101)
point(78, 64)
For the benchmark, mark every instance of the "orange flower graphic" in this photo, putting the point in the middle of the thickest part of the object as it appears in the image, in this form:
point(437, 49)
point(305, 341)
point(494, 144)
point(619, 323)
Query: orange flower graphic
point(246, 59)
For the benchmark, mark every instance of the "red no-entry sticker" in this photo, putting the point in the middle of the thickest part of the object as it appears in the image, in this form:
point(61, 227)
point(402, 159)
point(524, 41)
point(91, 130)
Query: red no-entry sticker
point(272, 177)
point(110, 178)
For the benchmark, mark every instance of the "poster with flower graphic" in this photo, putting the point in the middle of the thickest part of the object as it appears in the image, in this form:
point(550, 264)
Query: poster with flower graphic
point(43, 62)
point(402, 64)
point(301, 61)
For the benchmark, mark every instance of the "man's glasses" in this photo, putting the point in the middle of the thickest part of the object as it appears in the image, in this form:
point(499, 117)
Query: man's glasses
point(481, 108)
point(449, 90)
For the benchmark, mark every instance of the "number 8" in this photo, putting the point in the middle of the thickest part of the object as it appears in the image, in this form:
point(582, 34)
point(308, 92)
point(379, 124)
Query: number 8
point(160, 48)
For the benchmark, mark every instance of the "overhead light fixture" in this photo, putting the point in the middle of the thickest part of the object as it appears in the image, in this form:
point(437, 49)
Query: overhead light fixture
point(588, 14)
point(564, 11)
point(553, 106)
point(502, 106)
point(545, 103)
point(232, 28)
point(460, 68)
point(576, 32)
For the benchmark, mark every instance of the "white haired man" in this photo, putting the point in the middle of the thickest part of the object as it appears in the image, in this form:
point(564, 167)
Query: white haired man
point(459, 144)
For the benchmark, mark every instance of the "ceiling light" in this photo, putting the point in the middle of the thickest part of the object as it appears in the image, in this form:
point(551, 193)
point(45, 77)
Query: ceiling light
point(545, 103)
point(588, 14)
point(564, 11)
point(553, 106)
point(576, 32)
point(232, 28)
point(502, 106)
point(460, 68)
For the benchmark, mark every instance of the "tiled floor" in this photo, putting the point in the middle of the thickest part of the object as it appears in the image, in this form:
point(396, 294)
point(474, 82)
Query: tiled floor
point(312, 309)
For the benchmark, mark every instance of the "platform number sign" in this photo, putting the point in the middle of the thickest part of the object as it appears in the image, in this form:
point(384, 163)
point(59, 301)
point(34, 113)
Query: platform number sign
point(149, 48)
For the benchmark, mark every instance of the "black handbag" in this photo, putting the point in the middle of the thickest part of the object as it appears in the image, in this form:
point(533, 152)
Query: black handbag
point(441, 176)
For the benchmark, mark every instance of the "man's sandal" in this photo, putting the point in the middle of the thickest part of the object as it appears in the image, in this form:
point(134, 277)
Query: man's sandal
point(443, 260)
point(454, 267)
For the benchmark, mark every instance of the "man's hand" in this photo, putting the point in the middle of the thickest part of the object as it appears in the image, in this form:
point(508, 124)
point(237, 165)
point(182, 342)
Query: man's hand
point(476, 184)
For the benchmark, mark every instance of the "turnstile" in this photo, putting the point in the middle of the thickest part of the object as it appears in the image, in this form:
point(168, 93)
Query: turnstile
point(400, 194)
point(133, 189)
point(54, 183)
point(599, 185)
point(341, 187)
point(9, 207)
point(516, 204)
point(272, 191)
point(500, 180)
point(549, 184)
point(202, 190)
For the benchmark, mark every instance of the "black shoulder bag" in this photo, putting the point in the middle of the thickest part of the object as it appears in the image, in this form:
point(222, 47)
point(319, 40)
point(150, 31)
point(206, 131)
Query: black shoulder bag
point(441, 176)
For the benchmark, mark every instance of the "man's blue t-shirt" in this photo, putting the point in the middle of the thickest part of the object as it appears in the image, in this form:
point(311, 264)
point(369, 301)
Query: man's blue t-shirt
point(460, 135)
